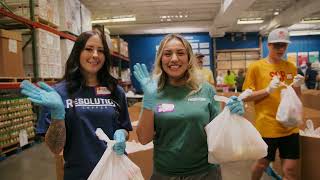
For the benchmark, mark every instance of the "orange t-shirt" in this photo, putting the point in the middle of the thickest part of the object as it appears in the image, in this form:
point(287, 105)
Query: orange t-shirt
point(258, 77)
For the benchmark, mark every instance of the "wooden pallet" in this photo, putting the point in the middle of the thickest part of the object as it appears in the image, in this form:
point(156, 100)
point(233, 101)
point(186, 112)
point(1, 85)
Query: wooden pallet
point(13, 79)
point(46, 79)
point(10, 148)
point(67, 32)
point(14, 148)
point(45, 22)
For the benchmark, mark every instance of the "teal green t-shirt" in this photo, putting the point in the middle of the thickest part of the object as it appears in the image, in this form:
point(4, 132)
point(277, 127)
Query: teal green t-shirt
point(180, 142)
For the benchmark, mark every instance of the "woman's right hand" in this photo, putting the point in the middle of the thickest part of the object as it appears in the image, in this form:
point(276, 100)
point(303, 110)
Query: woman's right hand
point(45, 96)
point(148, 85)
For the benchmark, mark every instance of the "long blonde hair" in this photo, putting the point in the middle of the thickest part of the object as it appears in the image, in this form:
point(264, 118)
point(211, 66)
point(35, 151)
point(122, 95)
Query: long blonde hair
point(191, 73)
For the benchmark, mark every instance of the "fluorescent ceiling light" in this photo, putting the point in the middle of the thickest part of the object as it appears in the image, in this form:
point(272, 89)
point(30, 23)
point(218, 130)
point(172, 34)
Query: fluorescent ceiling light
point(250, 21)
point(113, 19)
point(304, 33)
point(174, 30)
point(310, 20)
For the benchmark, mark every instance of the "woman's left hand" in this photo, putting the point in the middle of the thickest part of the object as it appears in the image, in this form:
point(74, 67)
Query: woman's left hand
point(120, 138)
point(235, 105)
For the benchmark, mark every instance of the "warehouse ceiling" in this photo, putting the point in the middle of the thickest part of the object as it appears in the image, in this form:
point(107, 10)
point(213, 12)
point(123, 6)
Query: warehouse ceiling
point(214, 16)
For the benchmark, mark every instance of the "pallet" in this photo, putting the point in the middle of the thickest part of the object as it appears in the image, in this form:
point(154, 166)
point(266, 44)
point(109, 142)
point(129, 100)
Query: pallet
point(14, 149)
point(13, 79)
point(67, 32)
point(45, 22)
point(46, 79)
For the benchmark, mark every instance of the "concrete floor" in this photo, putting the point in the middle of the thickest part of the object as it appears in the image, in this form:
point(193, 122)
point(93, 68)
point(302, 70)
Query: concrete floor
point(33, 163)
point(38, 163)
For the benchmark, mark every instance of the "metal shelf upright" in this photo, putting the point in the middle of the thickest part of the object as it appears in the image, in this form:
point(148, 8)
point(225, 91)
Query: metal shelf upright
point(32, 25)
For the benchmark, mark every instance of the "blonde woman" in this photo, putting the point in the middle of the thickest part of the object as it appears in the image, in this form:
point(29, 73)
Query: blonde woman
point(176, 108)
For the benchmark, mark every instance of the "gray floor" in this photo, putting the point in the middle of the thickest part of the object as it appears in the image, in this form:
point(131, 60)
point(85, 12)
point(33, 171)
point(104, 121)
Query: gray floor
point(37, 163)
point(33, 163)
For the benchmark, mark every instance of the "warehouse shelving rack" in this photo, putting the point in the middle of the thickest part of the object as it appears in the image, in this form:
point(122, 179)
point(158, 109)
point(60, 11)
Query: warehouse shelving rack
point(23, 23)
point(11, 85)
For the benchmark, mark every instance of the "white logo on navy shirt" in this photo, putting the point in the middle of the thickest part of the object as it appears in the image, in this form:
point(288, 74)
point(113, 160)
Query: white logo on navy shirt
point(90, 102)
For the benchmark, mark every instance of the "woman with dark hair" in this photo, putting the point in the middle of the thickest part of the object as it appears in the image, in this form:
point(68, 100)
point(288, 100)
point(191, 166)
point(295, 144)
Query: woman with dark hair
point(87, 98)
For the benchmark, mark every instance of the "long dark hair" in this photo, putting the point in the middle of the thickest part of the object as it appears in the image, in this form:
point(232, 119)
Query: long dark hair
point(73, 76)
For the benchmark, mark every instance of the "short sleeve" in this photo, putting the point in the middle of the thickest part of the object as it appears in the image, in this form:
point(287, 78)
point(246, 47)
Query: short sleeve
point(250, 79)
point(214, 105)
point(124, 119)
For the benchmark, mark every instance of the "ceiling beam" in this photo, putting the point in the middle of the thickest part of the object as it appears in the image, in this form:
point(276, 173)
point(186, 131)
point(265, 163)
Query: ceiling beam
point(181, 27)
point(292, 15)
point(230, 10)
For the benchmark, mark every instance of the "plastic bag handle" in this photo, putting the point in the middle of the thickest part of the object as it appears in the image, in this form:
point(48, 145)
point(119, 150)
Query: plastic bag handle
point(243, 95)
point(309, 124)
point(221, 98)
point(284, 84)
point(102, 136)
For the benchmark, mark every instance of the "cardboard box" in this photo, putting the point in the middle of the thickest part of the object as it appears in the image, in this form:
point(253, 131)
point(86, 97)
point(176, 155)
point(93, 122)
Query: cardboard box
point(252, 55)
point(11, 64)
point(237, 55)
point(143, 159)
point(310, 159)
point(115, 45)
point(238, 64)
point(224, 56)
point(311, 98)
point(224, 65)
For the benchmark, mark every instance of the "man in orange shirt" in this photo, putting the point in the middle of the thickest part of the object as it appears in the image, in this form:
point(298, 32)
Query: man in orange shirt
point(264, 77)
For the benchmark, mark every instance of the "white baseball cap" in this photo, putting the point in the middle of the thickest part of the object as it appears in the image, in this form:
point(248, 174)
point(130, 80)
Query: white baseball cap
point(280, 35)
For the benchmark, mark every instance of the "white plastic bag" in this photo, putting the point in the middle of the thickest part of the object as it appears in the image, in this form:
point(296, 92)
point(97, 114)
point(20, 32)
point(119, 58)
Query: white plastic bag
point(111, 166)
point(309, 130)
point(289, 112)
point(232, 138)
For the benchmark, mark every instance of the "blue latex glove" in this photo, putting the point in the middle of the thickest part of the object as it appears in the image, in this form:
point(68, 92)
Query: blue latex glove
point(44, 95)
point(235, 105)
point(120, 138)
point(148, 85)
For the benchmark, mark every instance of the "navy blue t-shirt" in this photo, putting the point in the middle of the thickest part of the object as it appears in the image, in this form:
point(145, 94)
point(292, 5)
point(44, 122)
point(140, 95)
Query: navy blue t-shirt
point(88, 111)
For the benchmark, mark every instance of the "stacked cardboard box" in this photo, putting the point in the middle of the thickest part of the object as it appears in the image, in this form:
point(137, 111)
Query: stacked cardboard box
point(48, 55)
point(86, 24)
point(143, 159)
point(70, 19)
point(240, 64)
point(310, 146)
point(124, 48)
point(11, 64)
point(224, 65)
point(223, 56)
point(115, 45)
point(45, 10)
point(66, 48)
point(238, 55)
point(252, 55)
point(120, 46)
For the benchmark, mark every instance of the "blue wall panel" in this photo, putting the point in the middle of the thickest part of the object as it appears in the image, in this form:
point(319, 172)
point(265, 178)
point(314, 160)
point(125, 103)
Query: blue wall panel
point(142, 49)
point(251, 41)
